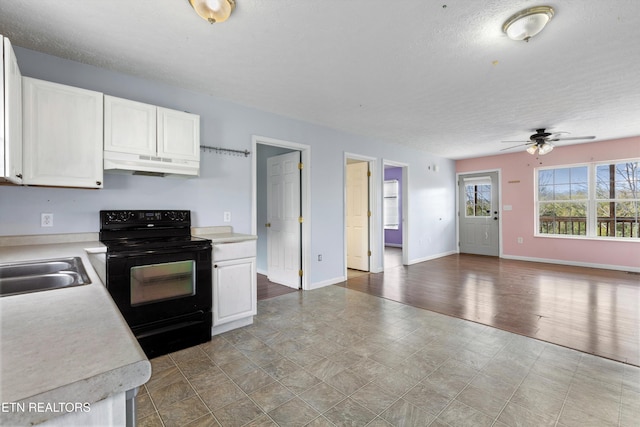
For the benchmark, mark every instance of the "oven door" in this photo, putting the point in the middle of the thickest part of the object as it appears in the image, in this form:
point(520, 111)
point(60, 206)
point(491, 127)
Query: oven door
point(151, 286)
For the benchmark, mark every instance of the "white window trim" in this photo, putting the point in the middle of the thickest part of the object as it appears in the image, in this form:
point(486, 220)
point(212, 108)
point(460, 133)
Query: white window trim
point(592, 215)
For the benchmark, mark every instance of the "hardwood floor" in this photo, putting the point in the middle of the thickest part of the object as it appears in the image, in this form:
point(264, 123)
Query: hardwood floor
point(392, 257)
point(592, 310)
point(267, 289)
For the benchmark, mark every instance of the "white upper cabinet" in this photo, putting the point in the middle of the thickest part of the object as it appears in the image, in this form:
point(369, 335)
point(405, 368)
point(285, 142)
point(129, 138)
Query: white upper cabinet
point(146, 138)
point(63, 135)
point(130, 127)
point(178, 134)
point(10, 116)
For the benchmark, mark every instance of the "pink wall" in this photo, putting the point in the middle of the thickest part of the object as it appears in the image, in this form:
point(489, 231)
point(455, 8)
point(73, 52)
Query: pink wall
point(517, 173)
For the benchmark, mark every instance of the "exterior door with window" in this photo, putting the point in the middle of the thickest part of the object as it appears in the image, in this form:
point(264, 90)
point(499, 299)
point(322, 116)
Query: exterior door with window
point(479, 209)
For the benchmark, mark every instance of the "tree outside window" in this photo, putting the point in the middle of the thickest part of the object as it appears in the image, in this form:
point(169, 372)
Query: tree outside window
point(478, 197)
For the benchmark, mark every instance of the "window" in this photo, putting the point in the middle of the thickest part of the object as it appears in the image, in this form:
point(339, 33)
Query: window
point(595, 200)
point(618, 199)
point(562, 200)
point(391, 205)
point(477, 196)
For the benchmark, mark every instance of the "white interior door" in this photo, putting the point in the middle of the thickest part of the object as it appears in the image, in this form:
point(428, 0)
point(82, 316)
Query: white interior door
point(357, 219)
point(283, 215)
point(479, 209)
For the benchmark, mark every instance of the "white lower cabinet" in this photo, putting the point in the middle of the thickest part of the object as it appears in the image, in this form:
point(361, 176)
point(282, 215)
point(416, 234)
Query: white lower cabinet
point(234, 286)
point(107, 412)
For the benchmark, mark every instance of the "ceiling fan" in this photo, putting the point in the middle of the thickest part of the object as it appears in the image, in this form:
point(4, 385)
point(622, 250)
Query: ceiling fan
point(541, 141)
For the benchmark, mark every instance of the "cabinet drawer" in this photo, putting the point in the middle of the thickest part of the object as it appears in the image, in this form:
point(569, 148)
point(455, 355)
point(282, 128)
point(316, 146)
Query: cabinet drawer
point(235, 250)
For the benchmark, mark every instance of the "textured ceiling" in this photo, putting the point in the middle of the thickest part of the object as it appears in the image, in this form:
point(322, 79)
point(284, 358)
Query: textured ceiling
point(438, 76)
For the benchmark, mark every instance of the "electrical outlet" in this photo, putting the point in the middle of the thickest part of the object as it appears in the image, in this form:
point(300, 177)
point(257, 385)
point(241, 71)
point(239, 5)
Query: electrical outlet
point(46, 220)
point(320, 257)
point(227, 217)
point(520, 240)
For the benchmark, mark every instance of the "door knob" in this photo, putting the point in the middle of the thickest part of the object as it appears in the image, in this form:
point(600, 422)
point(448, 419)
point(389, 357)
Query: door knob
point(268, 224)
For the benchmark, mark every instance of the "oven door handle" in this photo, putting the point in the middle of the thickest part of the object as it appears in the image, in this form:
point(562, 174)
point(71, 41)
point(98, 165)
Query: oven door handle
point(143, 253)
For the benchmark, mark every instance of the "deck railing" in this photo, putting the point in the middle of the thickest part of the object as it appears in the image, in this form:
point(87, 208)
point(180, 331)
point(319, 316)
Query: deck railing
point(613, 227)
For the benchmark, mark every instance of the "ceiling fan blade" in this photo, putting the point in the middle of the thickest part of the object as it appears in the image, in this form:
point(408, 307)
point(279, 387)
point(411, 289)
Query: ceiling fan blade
point(574, 138)
point(515, 146)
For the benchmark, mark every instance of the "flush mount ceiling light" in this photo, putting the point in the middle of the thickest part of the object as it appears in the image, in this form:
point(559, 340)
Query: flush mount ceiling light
point(213, 10)
point(527, 23)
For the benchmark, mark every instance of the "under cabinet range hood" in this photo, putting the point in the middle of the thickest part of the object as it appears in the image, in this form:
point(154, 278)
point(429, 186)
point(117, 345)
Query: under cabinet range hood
point(138, 164)
point(147, 139)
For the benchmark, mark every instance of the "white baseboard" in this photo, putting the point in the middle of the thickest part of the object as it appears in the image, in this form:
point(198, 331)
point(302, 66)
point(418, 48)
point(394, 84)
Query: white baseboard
point(226, 327)
point(430, 257)
point(318, 285)
point(263, 272)
point(394, 245)
point(574, 263)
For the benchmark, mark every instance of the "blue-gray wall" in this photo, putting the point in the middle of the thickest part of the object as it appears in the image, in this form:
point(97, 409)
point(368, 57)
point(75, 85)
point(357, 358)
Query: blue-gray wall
point(225, 181)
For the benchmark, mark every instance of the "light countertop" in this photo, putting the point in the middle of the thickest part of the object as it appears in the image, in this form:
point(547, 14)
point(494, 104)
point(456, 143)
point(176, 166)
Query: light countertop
point(221, 234)
point(63, 345)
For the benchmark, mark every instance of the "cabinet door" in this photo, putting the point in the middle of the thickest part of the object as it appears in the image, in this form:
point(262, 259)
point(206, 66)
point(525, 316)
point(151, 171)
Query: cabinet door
point(234, 290)
point(129, 126)
point(11, 165)
point(178, 134)
point(62, 135)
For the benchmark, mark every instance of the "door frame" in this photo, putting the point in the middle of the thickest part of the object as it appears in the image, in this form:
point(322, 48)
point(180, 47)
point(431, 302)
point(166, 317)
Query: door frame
point(405, 208)
point(305, 197)
point(375, 206)
point(500, 210)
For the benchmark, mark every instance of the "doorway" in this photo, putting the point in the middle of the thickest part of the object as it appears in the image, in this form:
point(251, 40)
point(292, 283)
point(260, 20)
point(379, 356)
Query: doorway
point(293, 252)
point(357, 215)
point(479, 208)
point(394, 214)
point(284, 227)
point(362, 238)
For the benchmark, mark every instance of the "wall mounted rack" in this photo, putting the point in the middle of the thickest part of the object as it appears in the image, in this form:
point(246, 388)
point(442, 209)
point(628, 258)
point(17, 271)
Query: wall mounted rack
point(228, 151)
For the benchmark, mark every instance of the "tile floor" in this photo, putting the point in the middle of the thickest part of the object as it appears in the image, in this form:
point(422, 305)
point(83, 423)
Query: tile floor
point(338, 357)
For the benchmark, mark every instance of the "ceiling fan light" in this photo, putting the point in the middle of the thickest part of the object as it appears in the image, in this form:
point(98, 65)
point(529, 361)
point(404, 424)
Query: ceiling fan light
point(532, 149)
point(545, 148)
point(527, 23)
point(213, 10)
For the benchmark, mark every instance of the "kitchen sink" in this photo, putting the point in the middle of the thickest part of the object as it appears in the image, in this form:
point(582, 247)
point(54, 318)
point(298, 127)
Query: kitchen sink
point(34, 276)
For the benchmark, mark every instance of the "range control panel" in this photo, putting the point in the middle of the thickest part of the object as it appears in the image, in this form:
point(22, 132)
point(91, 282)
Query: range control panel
point(137, 218)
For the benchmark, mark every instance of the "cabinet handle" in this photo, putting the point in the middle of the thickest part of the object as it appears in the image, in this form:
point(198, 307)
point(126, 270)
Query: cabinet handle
point(215, 265)
point(268, 224)
point(19, 175)
point(98, 182)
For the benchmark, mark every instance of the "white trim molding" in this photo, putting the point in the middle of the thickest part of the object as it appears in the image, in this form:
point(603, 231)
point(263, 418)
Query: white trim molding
point(574, 263)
